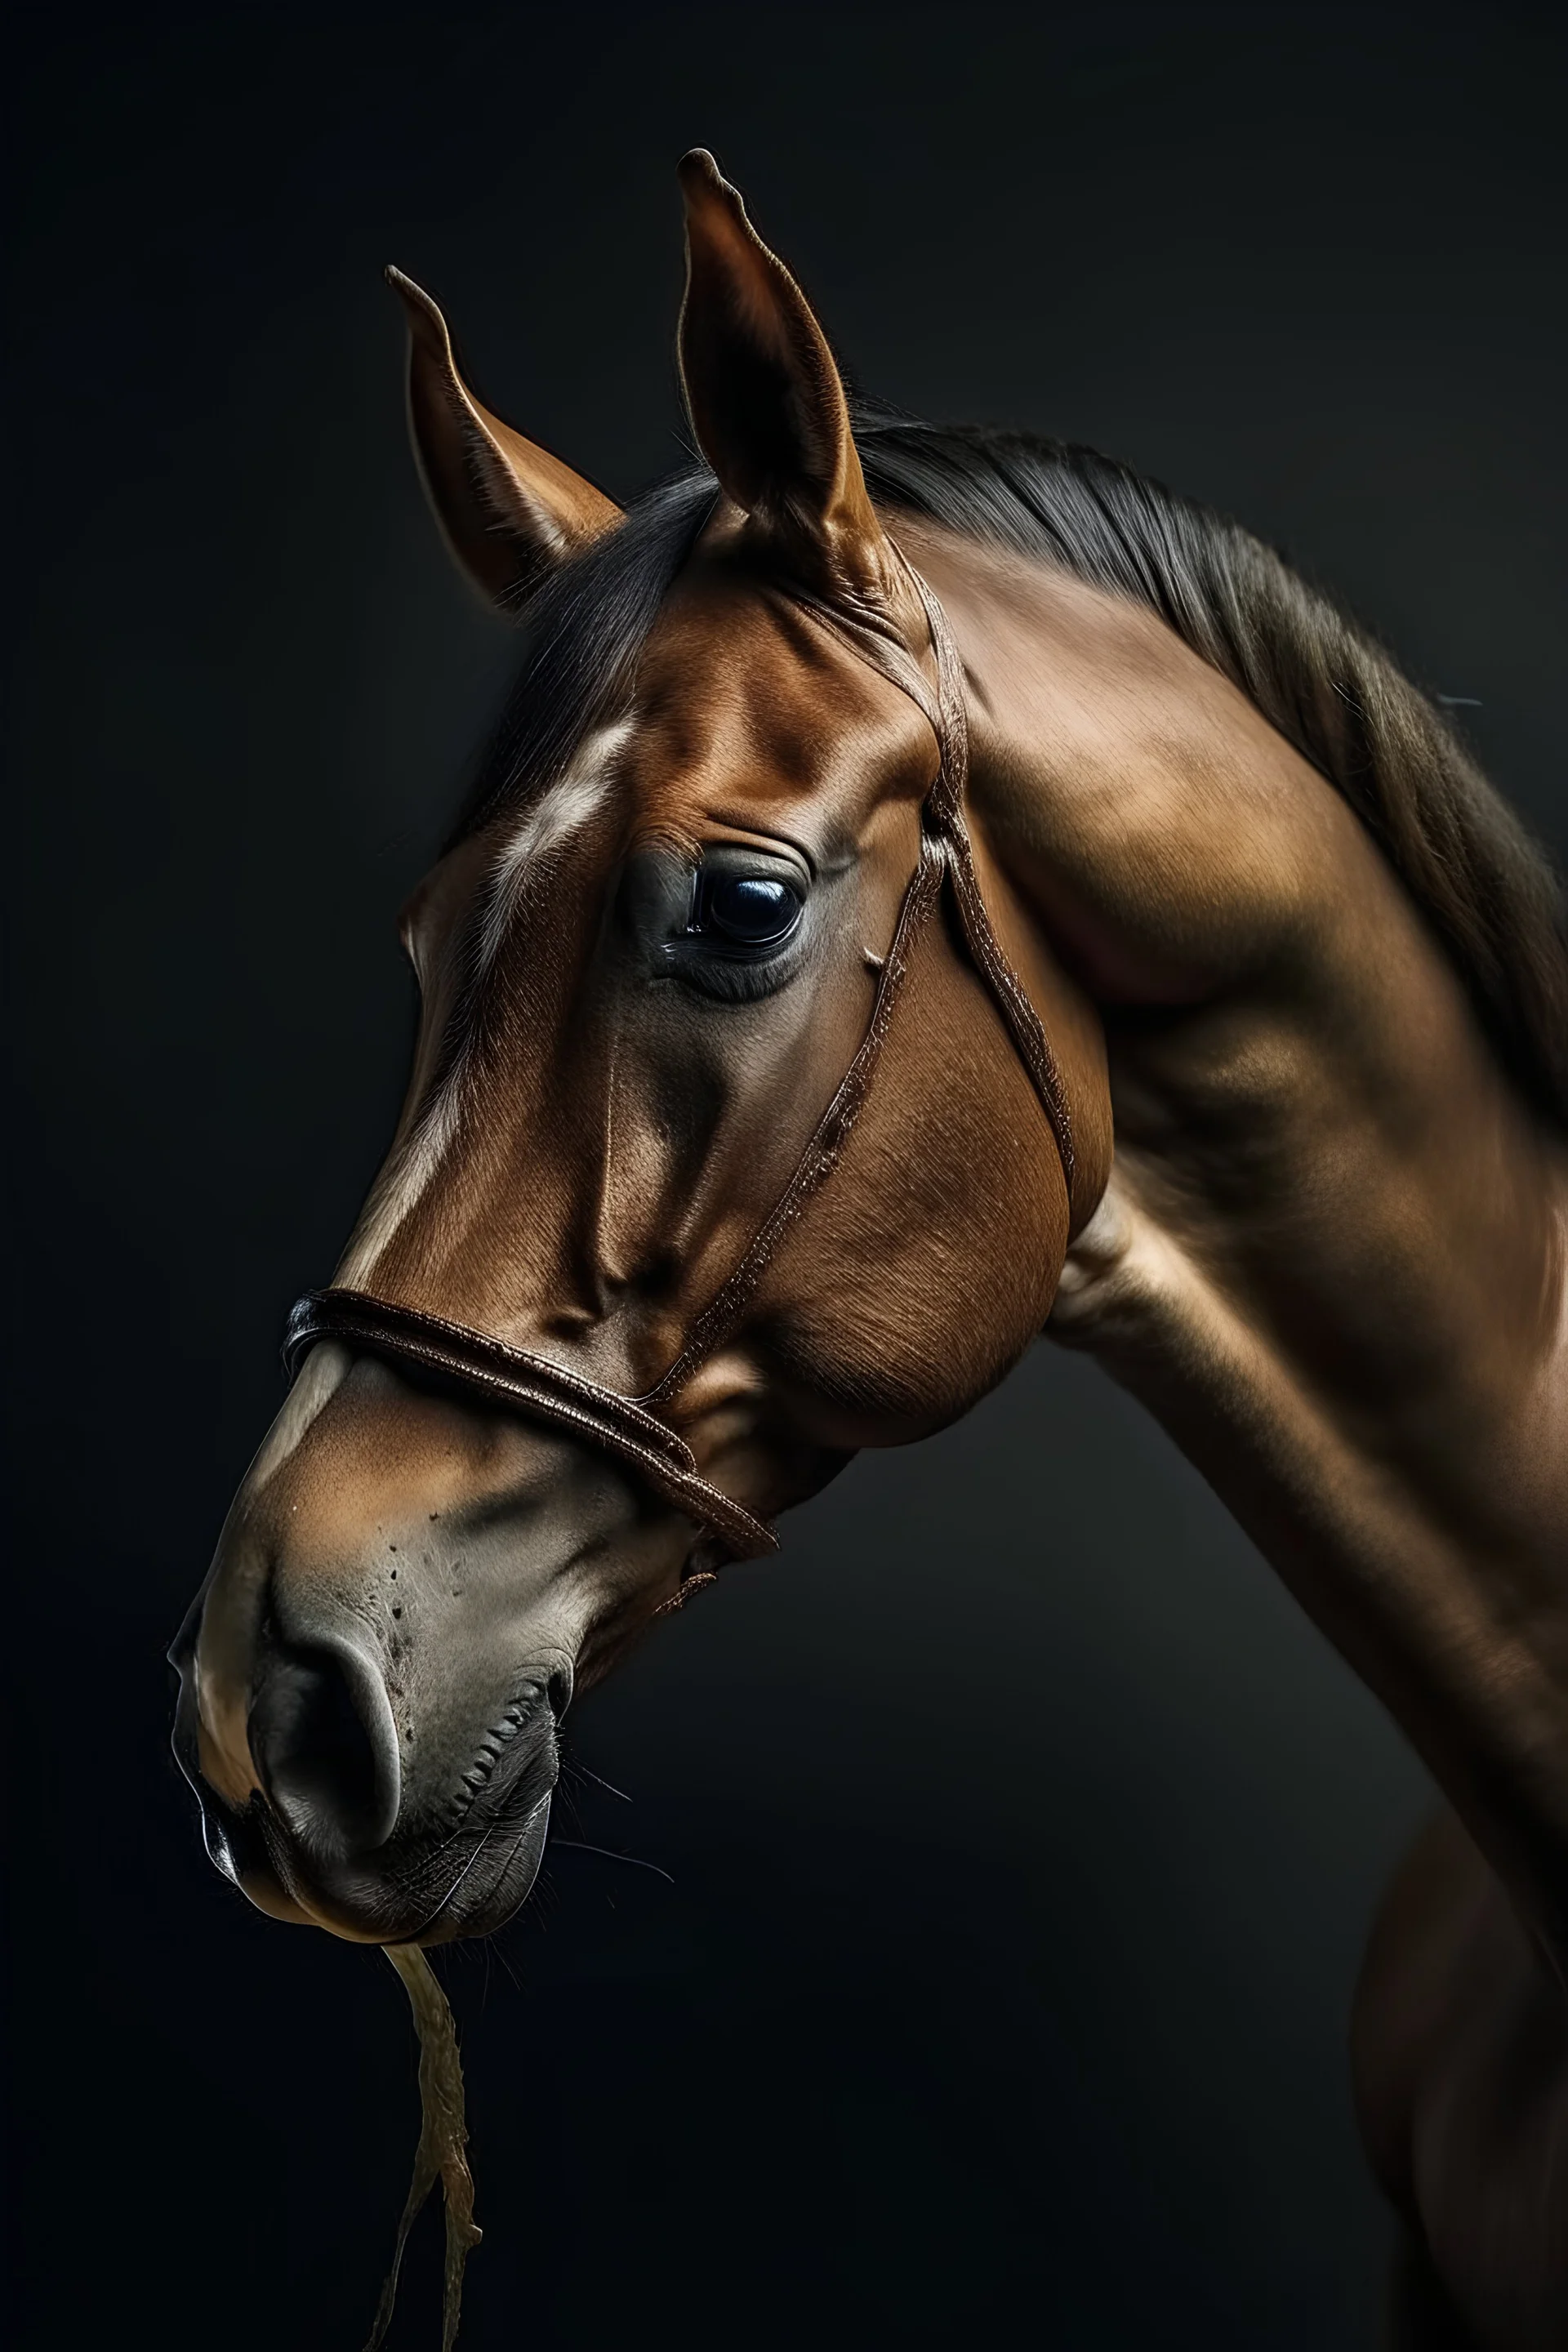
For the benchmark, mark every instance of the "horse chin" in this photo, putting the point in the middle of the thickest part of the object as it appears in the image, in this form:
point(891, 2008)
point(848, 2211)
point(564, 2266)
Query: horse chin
point(494, 1884)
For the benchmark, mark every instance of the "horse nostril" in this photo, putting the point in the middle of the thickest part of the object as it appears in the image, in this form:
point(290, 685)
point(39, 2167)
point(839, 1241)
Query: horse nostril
point(326, 1749)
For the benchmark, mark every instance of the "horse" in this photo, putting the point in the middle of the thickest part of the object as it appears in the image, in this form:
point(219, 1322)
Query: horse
point(931, 887)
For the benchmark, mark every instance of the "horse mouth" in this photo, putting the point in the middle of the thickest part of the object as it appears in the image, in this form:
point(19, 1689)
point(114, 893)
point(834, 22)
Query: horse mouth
point(469, 1884)
point(425, 1884)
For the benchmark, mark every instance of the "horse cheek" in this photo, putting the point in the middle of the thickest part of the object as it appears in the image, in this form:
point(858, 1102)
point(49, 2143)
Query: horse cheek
point(918, 1275)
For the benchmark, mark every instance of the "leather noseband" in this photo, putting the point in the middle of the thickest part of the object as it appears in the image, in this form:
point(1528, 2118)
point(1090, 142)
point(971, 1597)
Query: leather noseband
point(632, 1428)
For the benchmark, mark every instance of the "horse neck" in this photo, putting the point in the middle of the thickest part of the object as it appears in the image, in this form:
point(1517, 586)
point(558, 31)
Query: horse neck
point(1330, 1257)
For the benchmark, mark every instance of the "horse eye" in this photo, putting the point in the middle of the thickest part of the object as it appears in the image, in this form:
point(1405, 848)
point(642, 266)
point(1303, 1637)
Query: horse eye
point(753, 910)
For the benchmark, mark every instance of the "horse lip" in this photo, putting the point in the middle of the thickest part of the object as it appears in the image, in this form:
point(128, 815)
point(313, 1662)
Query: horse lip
point(239, 1849)
point(371, 1904)
point(378, 1914)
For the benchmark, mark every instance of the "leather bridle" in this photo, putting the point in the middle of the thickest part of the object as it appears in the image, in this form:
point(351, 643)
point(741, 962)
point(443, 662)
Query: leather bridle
point(632, 1428)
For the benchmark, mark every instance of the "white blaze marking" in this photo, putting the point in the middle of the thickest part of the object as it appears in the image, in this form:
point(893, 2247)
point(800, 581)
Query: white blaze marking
point(400, 1184)
point(561, 812)
point(322, 1370)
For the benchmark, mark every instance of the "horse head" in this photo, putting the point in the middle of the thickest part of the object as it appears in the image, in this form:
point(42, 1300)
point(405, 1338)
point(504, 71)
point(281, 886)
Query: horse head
point(749, 1121)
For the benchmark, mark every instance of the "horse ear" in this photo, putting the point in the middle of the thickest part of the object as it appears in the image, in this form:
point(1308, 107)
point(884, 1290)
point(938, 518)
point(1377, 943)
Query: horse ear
point(766, 400)
point(507, 510)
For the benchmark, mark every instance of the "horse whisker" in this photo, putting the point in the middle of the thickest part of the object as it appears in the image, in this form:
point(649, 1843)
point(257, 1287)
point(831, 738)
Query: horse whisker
point(589, 1775)
point(581, 1845)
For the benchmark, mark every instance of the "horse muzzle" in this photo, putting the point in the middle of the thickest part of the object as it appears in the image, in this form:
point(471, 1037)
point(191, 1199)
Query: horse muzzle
point(335, 1829)
point(375, 1670)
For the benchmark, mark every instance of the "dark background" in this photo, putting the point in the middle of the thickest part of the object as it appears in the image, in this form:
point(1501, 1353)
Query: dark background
point(1023, 1835)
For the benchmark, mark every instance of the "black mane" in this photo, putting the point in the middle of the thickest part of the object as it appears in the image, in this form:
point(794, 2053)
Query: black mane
point(1329, 689)
point(1334, 693)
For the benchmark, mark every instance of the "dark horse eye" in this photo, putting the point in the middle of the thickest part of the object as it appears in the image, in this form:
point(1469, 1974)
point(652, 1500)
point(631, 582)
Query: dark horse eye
point(752, 910)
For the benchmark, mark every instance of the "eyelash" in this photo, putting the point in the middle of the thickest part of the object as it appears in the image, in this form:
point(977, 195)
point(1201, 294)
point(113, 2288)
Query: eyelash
point(728, 981)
